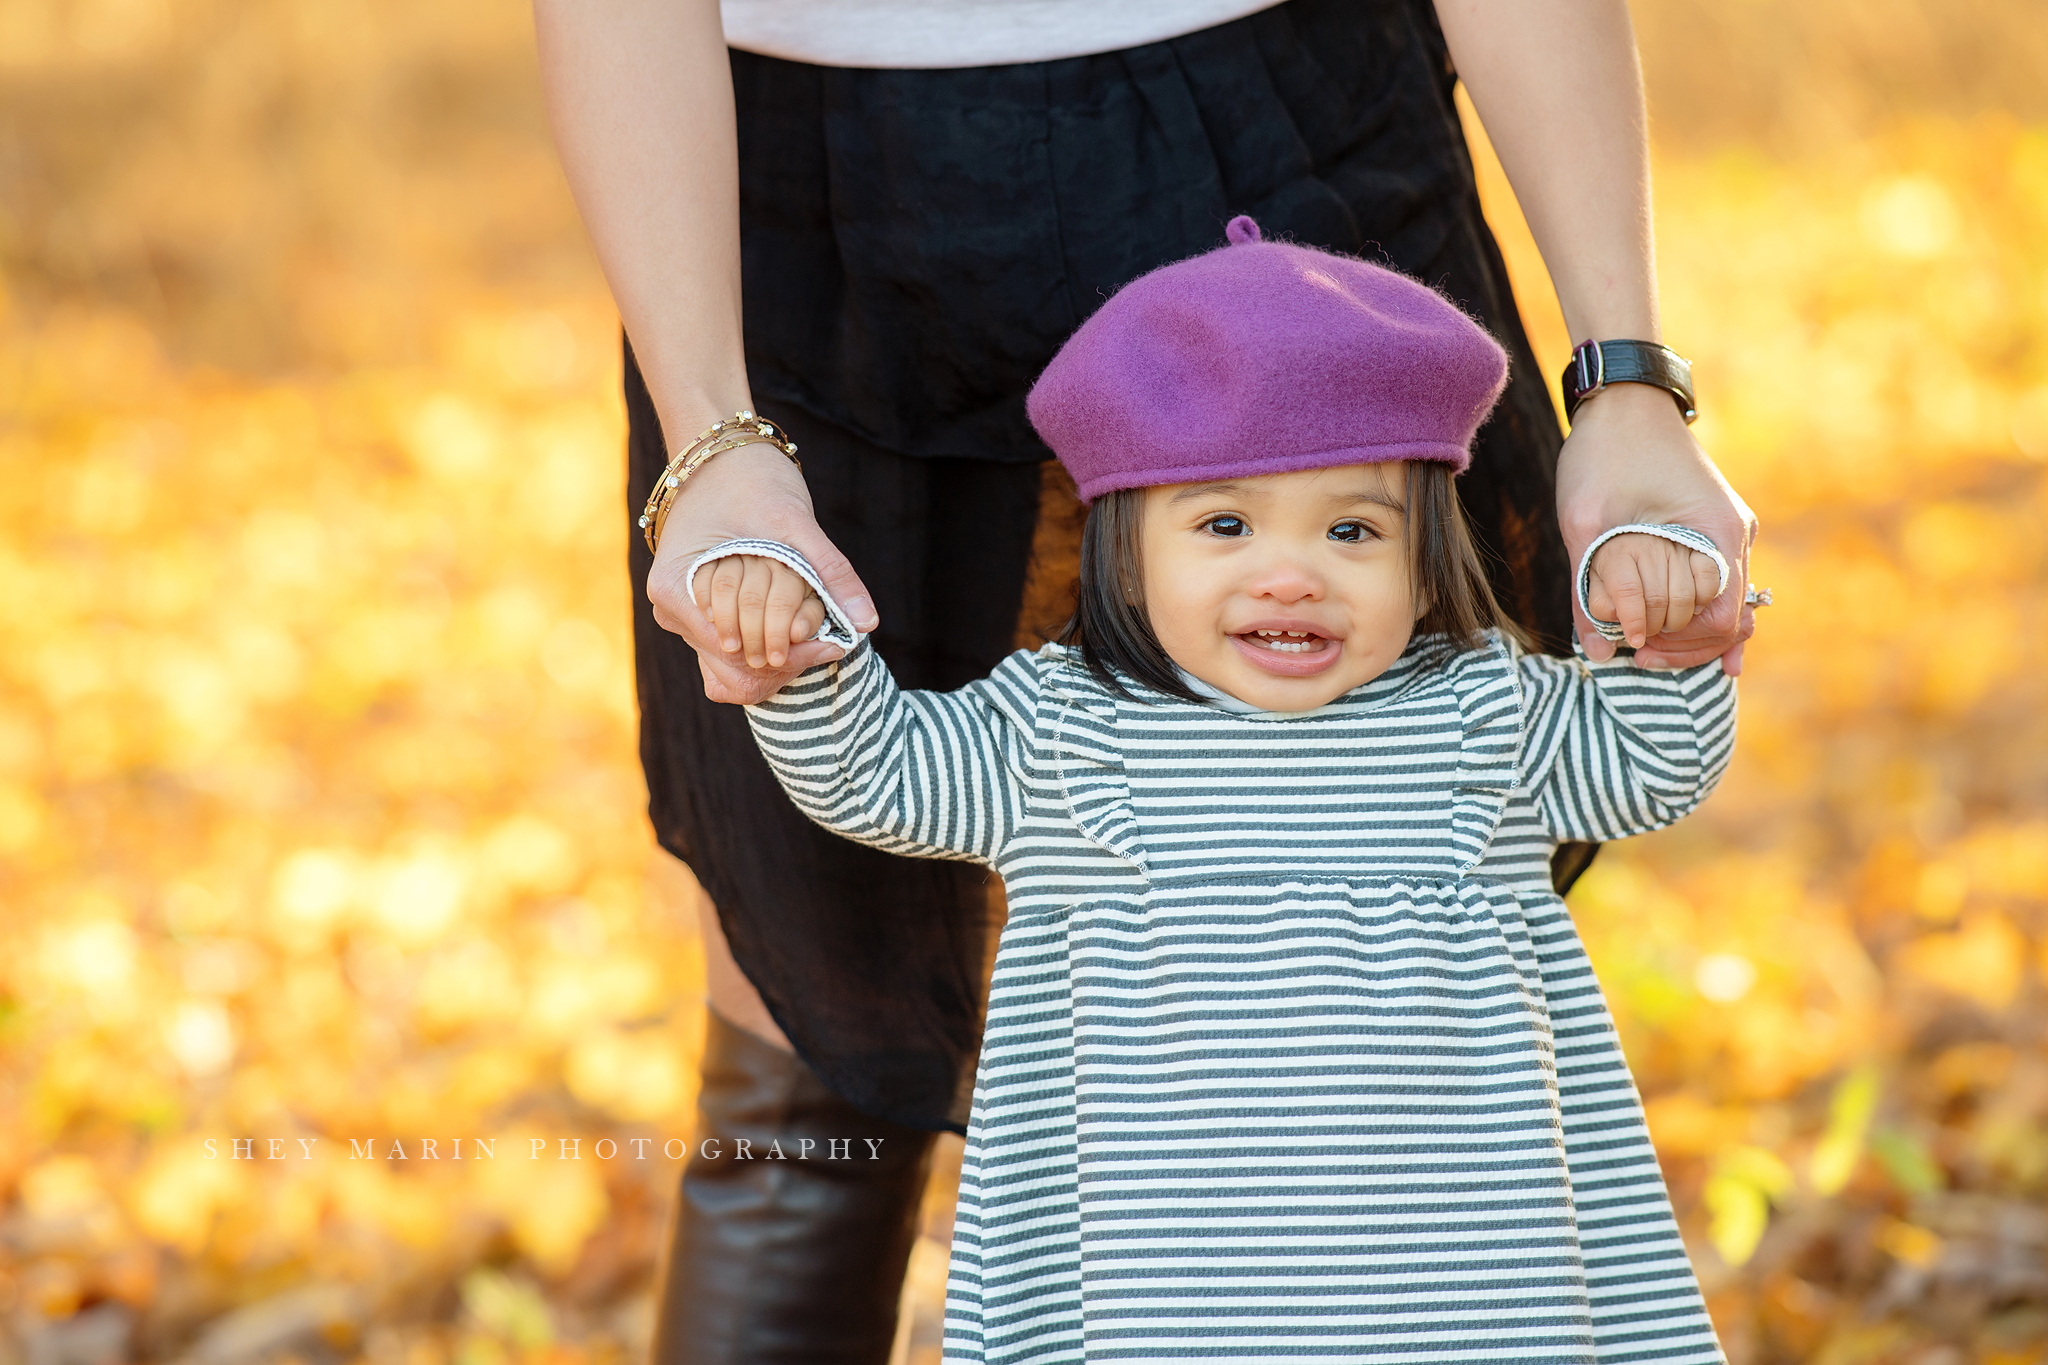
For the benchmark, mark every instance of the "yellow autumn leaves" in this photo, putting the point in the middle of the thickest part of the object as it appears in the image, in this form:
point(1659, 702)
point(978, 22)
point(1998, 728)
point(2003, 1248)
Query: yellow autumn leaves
point(319, 819)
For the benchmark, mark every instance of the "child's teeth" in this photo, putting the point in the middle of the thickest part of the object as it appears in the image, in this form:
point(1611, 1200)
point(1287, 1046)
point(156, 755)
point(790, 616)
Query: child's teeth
point(1286, 641)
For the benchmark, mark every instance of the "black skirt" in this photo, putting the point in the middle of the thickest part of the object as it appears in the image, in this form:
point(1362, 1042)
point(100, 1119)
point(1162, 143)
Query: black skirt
point(915, 246)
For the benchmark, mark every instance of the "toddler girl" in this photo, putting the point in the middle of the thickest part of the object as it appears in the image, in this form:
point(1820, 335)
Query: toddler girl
point(1291, 1051)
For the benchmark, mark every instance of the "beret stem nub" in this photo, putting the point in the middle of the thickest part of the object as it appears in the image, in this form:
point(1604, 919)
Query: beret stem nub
point(1241, 230)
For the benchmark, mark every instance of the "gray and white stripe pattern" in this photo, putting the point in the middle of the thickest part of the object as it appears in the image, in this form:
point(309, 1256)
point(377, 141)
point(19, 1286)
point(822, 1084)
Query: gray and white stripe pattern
point(1291, 1053)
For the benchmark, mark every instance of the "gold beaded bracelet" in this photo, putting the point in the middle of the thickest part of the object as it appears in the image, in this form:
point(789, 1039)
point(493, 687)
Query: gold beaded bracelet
point(663, 499)
point(741, 429)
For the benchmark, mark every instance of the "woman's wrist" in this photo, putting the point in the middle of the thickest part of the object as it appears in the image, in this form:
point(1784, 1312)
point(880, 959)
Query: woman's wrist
point(728, 434)
point(1635, 319)
point(1597, 364)
point(1630, 402)
point(739, 476)
point(686, 415)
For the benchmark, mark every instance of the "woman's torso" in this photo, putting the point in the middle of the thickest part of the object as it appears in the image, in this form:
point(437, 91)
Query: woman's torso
point(934, 34)
point(918, 243)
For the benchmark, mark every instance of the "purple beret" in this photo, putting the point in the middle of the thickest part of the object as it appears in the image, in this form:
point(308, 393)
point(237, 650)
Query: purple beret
point(1261, 357)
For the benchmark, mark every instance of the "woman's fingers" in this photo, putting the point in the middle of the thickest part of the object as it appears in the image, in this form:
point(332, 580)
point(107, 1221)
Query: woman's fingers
point(1669, 593)
point(1630, 459)
point(1699, 643)
point(748, 492)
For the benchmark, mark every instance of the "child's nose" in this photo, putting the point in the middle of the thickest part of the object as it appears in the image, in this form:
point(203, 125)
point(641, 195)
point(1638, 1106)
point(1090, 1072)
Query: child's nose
point(1287, 579)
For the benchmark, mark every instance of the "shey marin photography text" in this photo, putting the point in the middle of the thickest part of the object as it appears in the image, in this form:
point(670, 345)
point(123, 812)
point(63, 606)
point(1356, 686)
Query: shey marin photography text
point(541, 1149)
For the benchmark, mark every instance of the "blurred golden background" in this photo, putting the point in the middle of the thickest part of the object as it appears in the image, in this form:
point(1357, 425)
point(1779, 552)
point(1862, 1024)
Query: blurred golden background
point(319, 812)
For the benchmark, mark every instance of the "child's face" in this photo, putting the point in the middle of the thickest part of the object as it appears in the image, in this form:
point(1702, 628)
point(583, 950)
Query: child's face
point(1284, 590)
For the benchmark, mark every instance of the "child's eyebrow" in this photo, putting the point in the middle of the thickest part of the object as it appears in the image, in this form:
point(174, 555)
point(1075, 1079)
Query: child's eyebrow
point(1201, 490)
point(1377, 496)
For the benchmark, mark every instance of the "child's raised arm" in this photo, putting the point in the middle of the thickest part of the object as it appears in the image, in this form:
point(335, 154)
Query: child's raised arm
point(923, 774)
point(1616, 750)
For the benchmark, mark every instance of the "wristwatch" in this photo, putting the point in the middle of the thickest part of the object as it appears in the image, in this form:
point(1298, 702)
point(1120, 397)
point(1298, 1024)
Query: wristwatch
point(1596, 364)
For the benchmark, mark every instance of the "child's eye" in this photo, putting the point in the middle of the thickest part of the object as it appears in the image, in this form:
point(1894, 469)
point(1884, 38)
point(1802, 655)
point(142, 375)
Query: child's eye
point(1351, 532)
point(1226, 525)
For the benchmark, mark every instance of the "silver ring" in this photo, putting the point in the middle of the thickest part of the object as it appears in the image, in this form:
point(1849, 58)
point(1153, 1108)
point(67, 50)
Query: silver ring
point(1756, 597)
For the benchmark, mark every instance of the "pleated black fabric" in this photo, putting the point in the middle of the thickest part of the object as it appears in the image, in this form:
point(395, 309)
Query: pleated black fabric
point(916, 245)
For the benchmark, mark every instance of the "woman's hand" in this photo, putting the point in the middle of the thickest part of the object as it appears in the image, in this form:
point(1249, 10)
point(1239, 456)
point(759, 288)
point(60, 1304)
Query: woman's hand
point(751, 492)
point(1631, 458)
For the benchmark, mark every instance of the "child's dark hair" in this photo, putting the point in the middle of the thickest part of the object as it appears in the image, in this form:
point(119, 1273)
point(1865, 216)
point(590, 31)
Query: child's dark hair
point(1112, 630)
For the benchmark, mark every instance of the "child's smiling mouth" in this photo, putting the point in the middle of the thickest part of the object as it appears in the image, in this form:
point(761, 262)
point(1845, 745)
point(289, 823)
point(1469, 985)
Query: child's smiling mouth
point(1287, 641)
point(1290, 649)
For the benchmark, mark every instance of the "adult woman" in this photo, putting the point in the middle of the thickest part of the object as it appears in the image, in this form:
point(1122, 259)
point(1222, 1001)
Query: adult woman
point(875, 226)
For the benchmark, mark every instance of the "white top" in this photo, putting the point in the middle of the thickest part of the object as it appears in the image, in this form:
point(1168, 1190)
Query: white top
point(944, 33)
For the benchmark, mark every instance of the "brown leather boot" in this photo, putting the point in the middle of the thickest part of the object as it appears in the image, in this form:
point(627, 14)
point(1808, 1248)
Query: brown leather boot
point(794, 1259)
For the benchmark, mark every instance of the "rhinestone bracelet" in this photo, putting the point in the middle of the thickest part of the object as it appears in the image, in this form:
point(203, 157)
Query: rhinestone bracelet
point(741, 429)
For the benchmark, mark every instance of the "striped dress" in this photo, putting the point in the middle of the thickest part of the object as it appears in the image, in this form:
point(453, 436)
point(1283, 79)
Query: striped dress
point(1291, 1054)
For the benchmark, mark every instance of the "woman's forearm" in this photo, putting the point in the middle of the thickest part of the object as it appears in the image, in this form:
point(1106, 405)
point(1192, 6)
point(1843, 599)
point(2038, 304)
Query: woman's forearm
point(639, 93)
point(1559, 87)
point(640, 96)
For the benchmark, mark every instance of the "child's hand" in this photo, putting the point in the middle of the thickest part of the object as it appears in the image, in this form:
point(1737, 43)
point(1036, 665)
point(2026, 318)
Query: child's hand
point(1670, 585)
point(759, 605)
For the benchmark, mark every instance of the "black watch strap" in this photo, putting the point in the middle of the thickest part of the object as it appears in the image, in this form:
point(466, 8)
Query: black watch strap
point(1596, 364)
